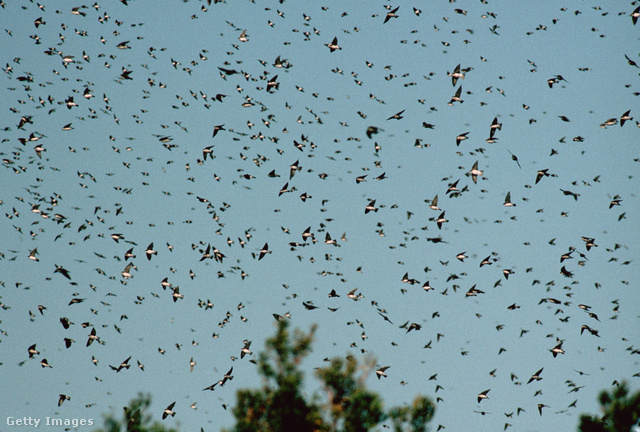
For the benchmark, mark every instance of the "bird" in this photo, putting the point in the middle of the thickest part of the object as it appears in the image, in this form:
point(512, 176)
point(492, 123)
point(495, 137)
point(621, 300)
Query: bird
point(475, 172)
point(333, 45)
point(391, 14)
point(542, 173)
point(397, 116)
point(536, 376)
point(372, 130)
point(32, 351)
point(149, 252)
point(123, 365)
point(433, 205)
point(455, 75)
point(557, 349)
point(515, 159)
point(441, 219)
point(217, 129)
point(461, 137)
point(625, 117)
point(381, 372)
point(507, 201)
point(92, 337)
point(371, 207)
point(245, 349)
point(168, 411)
point(265, 250)
point(495, 125)
point(32, 255)
point(540, 406)
point(63, 271)
point(483, 395)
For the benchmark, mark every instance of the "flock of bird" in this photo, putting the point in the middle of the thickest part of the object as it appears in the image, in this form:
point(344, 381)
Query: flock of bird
point(486, 230)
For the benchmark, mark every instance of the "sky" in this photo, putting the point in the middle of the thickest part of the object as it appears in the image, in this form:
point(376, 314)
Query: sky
point(120, 102)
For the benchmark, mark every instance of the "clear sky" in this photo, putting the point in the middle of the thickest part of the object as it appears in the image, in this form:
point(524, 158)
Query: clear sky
point(124, 158)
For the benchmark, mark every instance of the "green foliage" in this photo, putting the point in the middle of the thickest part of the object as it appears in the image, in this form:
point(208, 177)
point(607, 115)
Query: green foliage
point(136, 418)
point(281, 405)
point(620, 412)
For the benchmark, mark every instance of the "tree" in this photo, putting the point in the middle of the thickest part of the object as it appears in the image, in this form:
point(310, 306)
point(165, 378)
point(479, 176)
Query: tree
point(349, 407)
point(136, 418)
point(620, 411)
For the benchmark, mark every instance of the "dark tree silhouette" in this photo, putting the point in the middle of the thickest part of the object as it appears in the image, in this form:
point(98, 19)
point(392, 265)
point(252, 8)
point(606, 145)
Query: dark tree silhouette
point(280, 403)
point(620, 411)
point(136, 418)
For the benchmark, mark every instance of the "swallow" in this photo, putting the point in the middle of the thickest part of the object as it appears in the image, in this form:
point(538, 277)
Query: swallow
point(381, 372)
point(168, 411)
point(483, 395)
point(123, 45)
point(540, 406)
point(124, 365)
point(293, 168)
point(372, 130)
point(32, 351)
point(624, 117)
point(245, 349)
point(557, 350)
point(441, 220)
point(265, 250)
point(515, 159)
point(391, 14)
point(371, 207)
point(457, 97)
point(63, 398)
point(536, 376)
point(63, 271)
point(569, 193)
point(461, 137)
point(475, 172)
point(455, 75)
point(542, 173)
point(129, 254)
point(32, 255)
point(176, 294)
point(92, 336)
point(507, 201)
point(565, 272)
point(495, 125)
point(433, 205)
point(272, 83)
point(150, 252)
point(217, 129)
point(126, 272)
point(309, 306)
point(396, 116)
point(333, 45)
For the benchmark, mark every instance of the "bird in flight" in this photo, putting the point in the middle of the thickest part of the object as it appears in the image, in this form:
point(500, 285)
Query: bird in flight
point(168, 411)
point(483, 395)
point(391, 14)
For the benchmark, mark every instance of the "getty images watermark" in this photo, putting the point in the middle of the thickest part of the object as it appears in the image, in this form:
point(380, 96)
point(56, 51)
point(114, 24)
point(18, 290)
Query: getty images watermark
point(48, 421)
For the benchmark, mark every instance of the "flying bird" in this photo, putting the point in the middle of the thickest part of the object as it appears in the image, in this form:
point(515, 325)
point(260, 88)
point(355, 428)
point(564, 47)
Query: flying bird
point(168, 411)
point(381, 372)
point(333, 45)
point(483, 395)
point(391, 14)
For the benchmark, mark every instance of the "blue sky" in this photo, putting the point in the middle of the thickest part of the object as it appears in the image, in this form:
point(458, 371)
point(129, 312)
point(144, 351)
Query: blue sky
point(111, 174)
